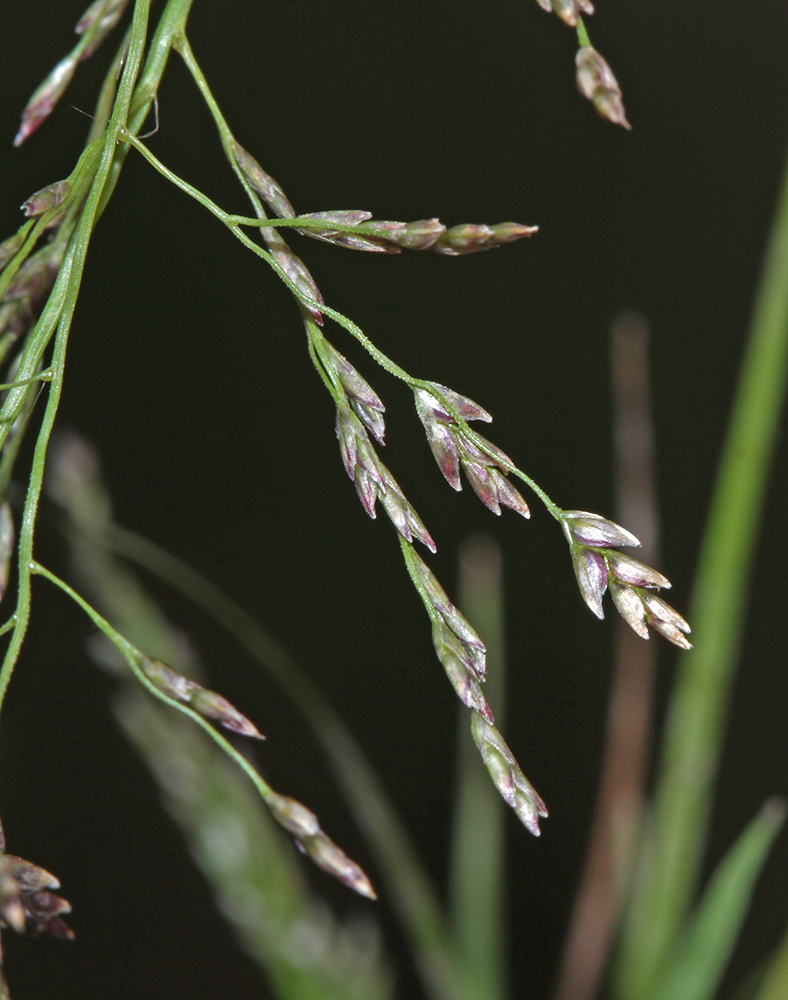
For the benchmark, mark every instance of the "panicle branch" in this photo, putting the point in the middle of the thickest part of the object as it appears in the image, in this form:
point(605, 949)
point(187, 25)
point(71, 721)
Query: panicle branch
point(599, 568)
point(463, 656)
point(292, 815)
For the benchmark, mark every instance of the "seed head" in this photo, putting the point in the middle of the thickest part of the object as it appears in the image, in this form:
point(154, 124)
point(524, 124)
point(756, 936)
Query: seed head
point(326, 855)
point(598, 567)
point(293, 816)
point(373, 481)
point(472, 238)
point(26, 904)
point(419, 235)
point(485, 468)
point(353, 241)
point(311, 840)
point(297, 272)
point(630, 606)
point(364, 400)
point(592, 529)
point(457, 645)
point(47, 198)
point(592, 578)
point(628, 570)
point(596, 82)
point(271, 193)
point(507, 775)
point(206, 703)
point(104, 14)
point(666, 620)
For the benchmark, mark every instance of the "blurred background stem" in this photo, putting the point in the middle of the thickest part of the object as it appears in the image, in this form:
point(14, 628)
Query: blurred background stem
point(477, 860)
point(624, 766)
point(673, 846)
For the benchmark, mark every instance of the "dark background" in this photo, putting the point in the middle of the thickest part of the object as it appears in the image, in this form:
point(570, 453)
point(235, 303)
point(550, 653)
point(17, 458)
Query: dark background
point(188, 369)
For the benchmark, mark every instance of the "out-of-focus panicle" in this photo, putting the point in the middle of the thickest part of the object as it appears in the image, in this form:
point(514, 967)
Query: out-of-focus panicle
point(10, 247)
point(598, 568)
point(204, 702)
point(567, 10)
point(372, 479)
point(45, 97)
point(453, 449)
point(595, 81)
point(26, 294)
point(101, 16)
point(26, 902)
point(94, 26)
point(6, 544)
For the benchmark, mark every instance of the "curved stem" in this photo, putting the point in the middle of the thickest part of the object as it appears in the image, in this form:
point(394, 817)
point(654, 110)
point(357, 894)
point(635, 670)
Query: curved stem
point(134, 657)
point(65, 291)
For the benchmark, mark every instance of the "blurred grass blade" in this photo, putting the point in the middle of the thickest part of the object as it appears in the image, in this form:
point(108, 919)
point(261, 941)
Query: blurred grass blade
point(250, 864)
point(78, 489)
point(407, 882)
point(774, 985)
point(694, 971)
point(260, 888)
point(476, 868)
point(673, 847)
point(618, 811)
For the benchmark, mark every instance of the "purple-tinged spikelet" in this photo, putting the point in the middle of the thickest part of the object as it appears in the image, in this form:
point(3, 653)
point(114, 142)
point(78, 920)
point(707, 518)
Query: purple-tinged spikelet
point(452, 448)
point(206, 703)
point(595, 81)
point(599, 568)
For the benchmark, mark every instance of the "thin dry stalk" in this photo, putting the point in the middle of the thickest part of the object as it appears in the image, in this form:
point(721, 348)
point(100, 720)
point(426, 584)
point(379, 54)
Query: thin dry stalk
point(609, 857)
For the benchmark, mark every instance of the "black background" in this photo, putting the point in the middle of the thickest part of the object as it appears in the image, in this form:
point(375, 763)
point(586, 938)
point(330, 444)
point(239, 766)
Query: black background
point(187, 368)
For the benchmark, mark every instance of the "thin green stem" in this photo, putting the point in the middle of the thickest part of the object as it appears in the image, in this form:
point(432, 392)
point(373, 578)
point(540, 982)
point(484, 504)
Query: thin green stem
point(134, 658)
point(233, 224)
point(582, 34)
point(172, 24)
point(60, 309)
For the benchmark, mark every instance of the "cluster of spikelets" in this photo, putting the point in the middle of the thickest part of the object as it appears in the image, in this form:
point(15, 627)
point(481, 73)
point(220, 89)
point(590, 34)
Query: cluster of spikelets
point(598, 567)
point(27, 903)
point(595, 79)
point(444, 414)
